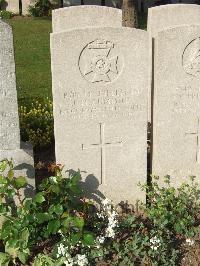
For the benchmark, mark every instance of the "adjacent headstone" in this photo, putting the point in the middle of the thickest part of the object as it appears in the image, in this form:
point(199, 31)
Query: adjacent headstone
point(9, 120)
point(11, 5)
point(85, 16)
point(176, 120)
point(100, 107)
point(168, 16)
point(25, 6)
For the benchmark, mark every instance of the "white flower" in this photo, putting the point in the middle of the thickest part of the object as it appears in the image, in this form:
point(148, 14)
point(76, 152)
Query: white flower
point(190, 242)
point(62, 251)
point(106, 202)
point(110, 232)
point(155, 240)
point(110, 215)
point(100, 239)
point(155, 243)
point(81, 260)
point(69, 262)
point(100, 215)
point(53, 180)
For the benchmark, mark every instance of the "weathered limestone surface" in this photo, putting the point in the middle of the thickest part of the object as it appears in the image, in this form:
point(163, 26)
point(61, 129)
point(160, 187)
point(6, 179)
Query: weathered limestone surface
point(167, 16)
point(9, 121)
point(100, 107)
point(176, 123)
point(24, 165)
point(10, 146)
point(85, 16)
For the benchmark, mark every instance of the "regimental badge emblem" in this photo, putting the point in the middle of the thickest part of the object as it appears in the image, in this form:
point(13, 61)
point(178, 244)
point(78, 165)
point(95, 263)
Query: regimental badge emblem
point(99, 61)
point(191, 58)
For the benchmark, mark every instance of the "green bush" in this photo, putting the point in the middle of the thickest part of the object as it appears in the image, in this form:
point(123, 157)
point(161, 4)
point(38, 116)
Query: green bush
point(58, 209)
point(41, 8)
point(36, 122)
point(60, 226)
point(173, 210)
point(6, 14)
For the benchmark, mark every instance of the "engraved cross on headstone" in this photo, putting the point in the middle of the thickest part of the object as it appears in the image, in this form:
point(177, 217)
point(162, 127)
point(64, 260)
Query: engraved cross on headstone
point(197, 135)
point(102, 145)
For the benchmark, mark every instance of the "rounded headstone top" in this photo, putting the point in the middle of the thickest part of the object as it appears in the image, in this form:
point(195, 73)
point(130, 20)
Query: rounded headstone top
point(172, 15)
point(172, 6)
point(85, 16)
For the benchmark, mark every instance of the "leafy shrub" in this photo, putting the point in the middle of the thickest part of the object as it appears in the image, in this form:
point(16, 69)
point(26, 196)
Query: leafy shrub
point(41, 8)
point(174, 210)
point(6, 14)
point(57, 207)
point(60, 226)
point(36, 122)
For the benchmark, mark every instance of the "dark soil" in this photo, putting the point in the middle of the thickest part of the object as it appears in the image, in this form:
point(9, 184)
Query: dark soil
point(191, 254)
point(43, 158)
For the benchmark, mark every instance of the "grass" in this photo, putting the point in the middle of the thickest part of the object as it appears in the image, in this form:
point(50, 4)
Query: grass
point(32, 57)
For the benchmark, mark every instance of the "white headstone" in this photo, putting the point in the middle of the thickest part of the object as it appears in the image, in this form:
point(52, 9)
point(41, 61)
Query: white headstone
point(10, 146)
point(100, 107)
point(167, 16)
point(85, 16)
point(172, 15)
point(176, 115)
point(26, 4)
point(9, 122)
point(12, 6)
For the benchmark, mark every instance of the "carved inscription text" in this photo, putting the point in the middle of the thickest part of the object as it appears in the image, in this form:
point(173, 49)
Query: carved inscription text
point(105, 103)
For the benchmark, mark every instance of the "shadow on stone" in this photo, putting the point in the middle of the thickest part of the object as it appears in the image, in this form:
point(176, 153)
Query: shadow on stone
point(89, 186)
point(26, 167)
point(29, 190)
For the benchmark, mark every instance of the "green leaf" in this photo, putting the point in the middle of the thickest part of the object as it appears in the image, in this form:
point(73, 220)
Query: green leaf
point(79, 222)
point(39, 198)
point(5, 231)
point(10, 174)
point(43, 217)
point(75, 189)
point(3, 180)
point(55, 189)
point(23, 256)
point(67, 222)
point(12, 248)
point(58, 209)
point(53, 226)
point(3, 165)
point(20, 182)
point(24, 235)
point(75, 178)
point(43, 260)
point(75, 238)
point(88, 239)
point(4, 259)
point(10, 193)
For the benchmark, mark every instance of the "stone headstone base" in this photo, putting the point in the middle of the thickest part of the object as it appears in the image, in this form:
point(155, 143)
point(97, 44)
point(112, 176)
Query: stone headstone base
point(23, 165)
